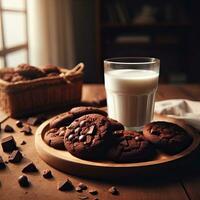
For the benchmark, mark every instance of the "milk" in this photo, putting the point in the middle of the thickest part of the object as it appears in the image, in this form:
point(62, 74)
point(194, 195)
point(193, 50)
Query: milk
point(130, 95)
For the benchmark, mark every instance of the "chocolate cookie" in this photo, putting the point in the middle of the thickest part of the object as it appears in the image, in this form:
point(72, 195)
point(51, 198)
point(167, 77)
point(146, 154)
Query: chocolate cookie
point(55, 138)
point(66, 118)
point(130, 146)
point(87, 137)
point(63, 119)
point(48, 69)
point(167, 136)
point(82, 110)
point(115, 125)
point(29, 71)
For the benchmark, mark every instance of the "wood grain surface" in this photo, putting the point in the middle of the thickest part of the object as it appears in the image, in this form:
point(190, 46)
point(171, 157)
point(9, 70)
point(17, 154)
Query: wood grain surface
point(179, 183)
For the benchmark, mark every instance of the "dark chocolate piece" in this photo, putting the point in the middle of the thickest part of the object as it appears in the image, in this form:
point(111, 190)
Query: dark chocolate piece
point(9, 129)
point(33, 121)
point(78, 189)
point(113, 190)
point(30, 167)
point(2, 164)
point(82, 186)
point(8, 144)
point(47, 174)
point(19, 124)
point(15, 156)
point(93, 192)
point(23, 181)
point(65, 186)
point(23, 142)
point(26, 130)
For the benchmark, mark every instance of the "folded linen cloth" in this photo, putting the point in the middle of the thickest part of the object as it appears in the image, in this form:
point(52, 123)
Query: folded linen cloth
point(184, 109)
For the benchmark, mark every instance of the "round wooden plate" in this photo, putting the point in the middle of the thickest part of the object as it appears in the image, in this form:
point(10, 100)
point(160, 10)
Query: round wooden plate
point(64, 161)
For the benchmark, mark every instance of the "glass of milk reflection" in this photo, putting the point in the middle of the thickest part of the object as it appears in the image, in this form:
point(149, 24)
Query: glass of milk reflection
point(131, 84)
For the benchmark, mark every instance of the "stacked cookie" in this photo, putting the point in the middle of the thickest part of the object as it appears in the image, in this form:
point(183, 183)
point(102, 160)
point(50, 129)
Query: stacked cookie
point(87, 133)
point(25, 72)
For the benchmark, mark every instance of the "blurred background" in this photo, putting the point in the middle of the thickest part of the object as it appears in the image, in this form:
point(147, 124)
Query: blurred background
point(65, 32)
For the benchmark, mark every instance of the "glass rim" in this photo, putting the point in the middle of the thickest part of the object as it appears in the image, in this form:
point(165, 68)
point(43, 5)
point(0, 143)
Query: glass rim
point(136, 60)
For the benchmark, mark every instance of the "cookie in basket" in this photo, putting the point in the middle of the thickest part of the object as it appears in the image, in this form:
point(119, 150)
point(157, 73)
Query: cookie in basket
point(130, 146)
point(88, 136)
point(29, 71)
point(168, 137)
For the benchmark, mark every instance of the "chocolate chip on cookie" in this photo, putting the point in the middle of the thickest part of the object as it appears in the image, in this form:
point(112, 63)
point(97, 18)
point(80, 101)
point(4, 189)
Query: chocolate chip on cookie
point(130, 146)
point(167, 136)
point(55, 137)
point(87, 137)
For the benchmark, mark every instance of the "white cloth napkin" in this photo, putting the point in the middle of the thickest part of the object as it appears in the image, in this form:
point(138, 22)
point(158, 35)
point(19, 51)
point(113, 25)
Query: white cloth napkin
point(180, 109)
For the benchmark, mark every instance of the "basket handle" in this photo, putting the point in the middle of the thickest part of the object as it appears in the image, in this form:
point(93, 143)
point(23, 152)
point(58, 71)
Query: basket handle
point(68, 74)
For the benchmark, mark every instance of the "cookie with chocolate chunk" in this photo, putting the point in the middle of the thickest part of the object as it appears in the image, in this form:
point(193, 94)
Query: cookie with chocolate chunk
point(168, 137)
point(55, 137)
point(115, 125)
point(130, 146)
point(66, 118)
point(87, 137)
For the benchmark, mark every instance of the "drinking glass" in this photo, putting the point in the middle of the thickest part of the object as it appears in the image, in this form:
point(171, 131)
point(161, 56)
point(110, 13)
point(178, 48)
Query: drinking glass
point(131, 84)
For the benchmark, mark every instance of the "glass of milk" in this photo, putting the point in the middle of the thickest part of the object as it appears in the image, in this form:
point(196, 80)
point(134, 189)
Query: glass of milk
point(131, 84)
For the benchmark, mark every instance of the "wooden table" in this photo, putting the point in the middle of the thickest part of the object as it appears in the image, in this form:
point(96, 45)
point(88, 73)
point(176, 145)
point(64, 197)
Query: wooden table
point(175, 184)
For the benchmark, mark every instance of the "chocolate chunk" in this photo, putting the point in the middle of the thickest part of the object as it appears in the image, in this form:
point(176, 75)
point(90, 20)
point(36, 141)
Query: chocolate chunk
point(8, 144)
point(19, 124)
point(15, 156)
point(9, 129)
point(83, 197)
point(23, 181)
point(70, 137)
point(78, 189)
point(82, 123)
point(2, 164)
point(91, 130)
point(82, 186)
point(30, 167)
point(33, 121)
point(47, 174)
point(65, 186)
point(26, 130)
point(82, 138)
point(113, 190)
point(93, 192)
point(23, 142)
point(155, 132)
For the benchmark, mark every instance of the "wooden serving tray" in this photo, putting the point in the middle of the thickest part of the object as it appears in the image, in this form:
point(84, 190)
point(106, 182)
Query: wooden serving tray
point(64, 161)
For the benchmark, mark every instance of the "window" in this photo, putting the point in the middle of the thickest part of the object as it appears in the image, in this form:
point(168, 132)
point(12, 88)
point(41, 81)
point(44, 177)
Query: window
point(13, 33)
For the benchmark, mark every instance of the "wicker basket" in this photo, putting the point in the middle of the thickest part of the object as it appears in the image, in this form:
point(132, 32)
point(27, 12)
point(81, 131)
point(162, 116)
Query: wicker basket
point(25, 98)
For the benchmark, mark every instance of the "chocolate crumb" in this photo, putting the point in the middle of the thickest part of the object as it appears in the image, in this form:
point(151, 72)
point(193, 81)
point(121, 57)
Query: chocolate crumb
point(113, 190)
point(47, 174)
point(8, 144)
point(2, 164)
point(78, 189)
point(65, 186)
point(93, 192)
point(30, 167)
point(9, 129)
point(19, 124)
point(23, 181)
point(82, 186)
point(15, 156)
point(23, 142)
point(26, 130)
